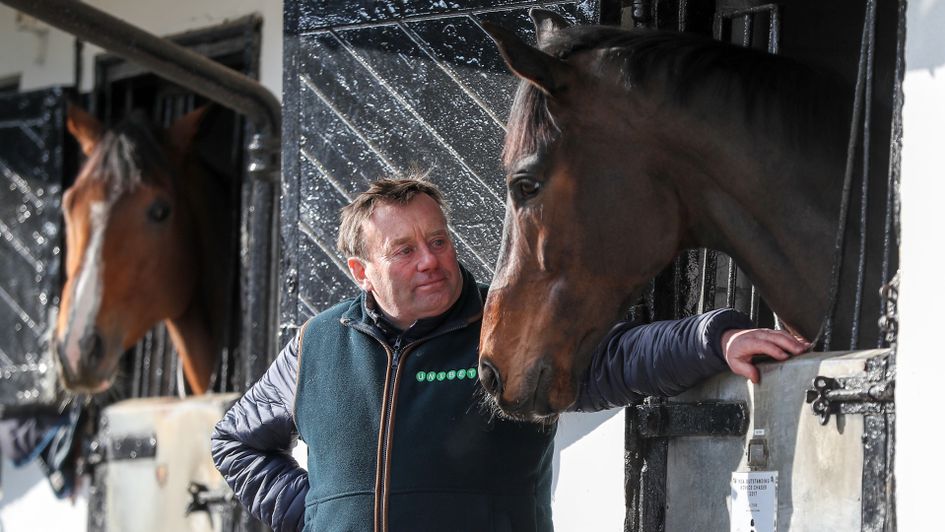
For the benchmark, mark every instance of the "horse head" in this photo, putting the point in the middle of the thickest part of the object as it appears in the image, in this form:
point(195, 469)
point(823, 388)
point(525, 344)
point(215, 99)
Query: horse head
point(557, 284)
point(624, 147)
point(130, 244)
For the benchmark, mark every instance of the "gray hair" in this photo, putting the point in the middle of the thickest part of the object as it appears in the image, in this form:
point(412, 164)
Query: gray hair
point(388, 190)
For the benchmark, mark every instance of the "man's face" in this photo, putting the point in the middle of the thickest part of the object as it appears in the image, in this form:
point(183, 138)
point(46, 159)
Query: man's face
point(411, 264)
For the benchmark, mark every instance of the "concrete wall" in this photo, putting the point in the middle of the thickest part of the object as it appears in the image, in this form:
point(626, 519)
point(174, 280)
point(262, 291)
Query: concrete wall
point(921, 362)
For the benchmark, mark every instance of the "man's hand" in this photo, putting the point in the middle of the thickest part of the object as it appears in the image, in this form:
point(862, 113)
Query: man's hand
point(740, 346)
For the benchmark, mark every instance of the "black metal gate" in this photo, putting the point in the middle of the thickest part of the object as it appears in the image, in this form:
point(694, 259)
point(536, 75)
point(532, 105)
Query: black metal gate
point(862, 41)
point(33, 157)
point(371, 92)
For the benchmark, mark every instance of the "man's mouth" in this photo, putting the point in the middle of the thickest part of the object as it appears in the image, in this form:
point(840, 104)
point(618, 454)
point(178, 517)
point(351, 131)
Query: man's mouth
point(432, 283)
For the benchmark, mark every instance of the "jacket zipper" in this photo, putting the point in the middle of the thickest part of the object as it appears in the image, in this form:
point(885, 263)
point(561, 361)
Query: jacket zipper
point(395, 358)
point(385, 440)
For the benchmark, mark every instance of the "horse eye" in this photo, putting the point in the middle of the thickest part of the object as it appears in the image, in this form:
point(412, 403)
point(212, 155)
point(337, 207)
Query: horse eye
point(159, 211)
point(526, 188)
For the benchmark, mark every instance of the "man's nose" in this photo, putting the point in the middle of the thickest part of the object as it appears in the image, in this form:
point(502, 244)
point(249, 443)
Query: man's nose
point(427, 260)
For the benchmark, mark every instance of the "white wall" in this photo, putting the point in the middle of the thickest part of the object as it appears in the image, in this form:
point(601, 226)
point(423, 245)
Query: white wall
point(48, 58)
point(921, 359)
point(588, 490)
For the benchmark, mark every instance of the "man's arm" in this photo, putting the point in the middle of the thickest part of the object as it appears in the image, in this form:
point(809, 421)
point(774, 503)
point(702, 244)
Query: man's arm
point(666, 358)
point(252, 444)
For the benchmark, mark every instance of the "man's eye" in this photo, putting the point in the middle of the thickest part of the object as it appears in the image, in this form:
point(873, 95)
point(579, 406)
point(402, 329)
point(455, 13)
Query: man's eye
point(438, 243)
point(405, 251)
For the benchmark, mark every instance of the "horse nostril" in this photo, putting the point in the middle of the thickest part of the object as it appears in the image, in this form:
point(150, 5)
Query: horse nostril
point(489, 377)
point(94, 349)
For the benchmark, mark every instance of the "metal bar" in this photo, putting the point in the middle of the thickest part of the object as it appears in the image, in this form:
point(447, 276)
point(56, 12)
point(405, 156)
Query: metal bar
point(188, 69)
point(878, 435)
point(895, 150)
point(747, 29)
point(754, 306)
point(137, 365)
point(710, 418)
point(707, 297)
point(731, 289)
point(774, 29)
point(864, 191)
point(827, 324)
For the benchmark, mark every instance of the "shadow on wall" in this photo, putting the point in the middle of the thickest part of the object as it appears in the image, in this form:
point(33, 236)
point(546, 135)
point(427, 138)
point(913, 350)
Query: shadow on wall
point(925, 48)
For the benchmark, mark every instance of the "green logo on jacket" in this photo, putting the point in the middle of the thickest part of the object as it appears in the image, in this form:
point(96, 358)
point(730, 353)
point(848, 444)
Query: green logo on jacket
point(446, 375)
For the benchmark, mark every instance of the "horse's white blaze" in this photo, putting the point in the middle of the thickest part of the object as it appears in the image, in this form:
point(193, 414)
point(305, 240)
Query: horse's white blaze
point(88, 287)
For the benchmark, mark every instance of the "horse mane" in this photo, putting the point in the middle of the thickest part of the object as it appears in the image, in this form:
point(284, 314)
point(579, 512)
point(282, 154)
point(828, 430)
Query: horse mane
point(786, 97)
point(128, 154)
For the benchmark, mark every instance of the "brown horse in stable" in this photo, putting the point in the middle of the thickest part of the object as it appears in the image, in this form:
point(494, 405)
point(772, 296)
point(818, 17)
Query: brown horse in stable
point(625, 147)
point(144, 242)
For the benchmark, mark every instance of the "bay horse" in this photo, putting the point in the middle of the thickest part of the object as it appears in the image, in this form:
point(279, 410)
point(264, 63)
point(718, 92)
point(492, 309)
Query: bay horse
point(145, 242)
point(625, 147)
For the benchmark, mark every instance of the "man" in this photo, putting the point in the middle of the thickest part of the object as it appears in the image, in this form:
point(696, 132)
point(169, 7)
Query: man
point(383, 390)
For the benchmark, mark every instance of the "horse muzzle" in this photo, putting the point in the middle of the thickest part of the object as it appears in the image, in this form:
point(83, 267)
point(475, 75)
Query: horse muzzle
point(529, 400)
point(84, 369)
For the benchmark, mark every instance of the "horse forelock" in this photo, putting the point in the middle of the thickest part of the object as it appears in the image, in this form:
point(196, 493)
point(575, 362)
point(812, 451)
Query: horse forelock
point(128, 155)
point(530, 125)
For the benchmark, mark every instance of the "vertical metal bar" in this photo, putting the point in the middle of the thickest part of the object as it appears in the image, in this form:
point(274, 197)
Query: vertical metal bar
point(682, 15)
point(135, 376)
point(754, 305)
point(732, 280)
point(774, 30)
point(747, 29)
point(895, 150)
point(827, 324)
point(864, 191)
point(709, 262)
point(717, 25)
point(148, 349)
point(157, 365)
point(168, 376)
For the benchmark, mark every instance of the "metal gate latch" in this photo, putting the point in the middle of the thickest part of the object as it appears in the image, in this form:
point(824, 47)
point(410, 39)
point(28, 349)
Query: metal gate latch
point(869, 394)
point(203, 500)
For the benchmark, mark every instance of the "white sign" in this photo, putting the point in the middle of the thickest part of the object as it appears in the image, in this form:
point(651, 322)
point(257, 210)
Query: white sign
point(754, 502)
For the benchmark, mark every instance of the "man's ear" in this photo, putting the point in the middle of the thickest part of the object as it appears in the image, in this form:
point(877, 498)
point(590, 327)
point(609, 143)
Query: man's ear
point(545, 72)
point(84, 127)
point(357, 269)
point(546, 22)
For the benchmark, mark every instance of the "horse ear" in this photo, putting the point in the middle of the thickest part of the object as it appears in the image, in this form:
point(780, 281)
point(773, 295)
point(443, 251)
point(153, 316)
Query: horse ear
point(86, 129)
point(181, 133)
point(527, 62)
point(546, 22)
